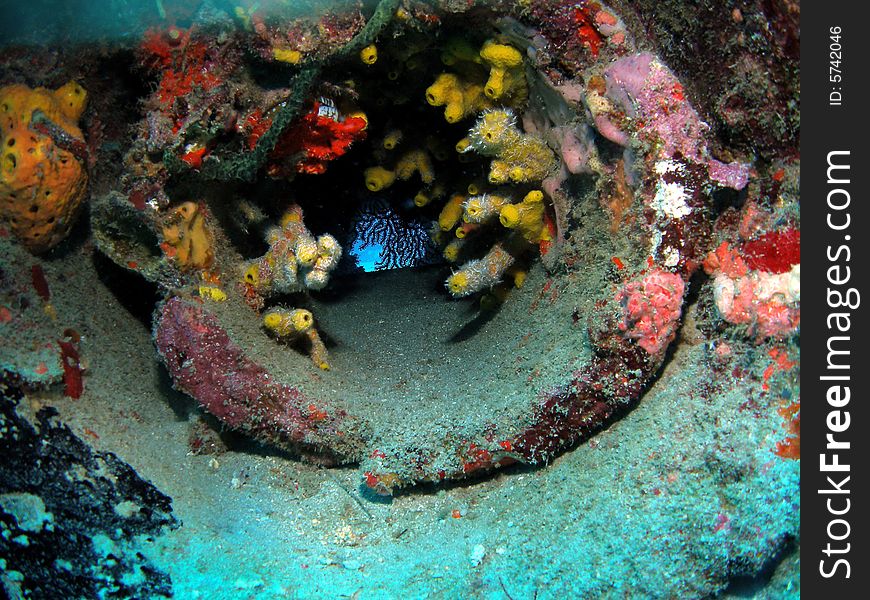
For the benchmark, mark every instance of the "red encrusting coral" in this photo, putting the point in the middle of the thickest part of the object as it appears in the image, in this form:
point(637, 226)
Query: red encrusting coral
point(584, 18)
point(765, 298)
point(312, 141)
point(773, 252)
point(182, 63)
point(40, 284)
point(71, 361)
point(653, 306)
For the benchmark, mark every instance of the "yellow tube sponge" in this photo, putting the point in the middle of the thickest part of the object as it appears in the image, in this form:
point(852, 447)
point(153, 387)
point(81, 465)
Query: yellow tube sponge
point(476, 275)
point(460, 99)
point(527, 217)
point(478, 209)
point(379, 178)
point(424, 197)
point(43, 177)
point(452, 249)
point(287, 55)
point(517, 157)
point(392, 139)
point(369, 54)
point(415, 161)
point(451, 213)
point(328, 255)
point(507, 81)
point(295, 323)
point(295, 260)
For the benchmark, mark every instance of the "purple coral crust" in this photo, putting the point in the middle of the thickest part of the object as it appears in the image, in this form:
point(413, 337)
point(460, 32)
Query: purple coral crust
point(206, 364)
point(652, 96)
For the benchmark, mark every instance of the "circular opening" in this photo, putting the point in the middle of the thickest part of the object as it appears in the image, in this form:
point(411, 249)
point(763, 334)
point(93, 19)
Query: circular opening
point(426, 359)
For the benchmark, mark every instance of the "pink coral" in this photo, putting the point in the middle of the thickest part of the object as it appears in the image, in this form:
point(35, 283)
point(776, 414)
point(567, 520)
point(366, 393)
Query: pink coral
point(653, 305)
point(768, 303)
point(648, 92)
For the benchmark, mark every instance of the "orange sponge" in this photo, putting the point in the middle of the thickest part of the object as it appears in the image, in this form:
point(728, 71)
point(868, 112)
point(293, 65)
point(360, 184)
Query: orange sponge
point(42, 162)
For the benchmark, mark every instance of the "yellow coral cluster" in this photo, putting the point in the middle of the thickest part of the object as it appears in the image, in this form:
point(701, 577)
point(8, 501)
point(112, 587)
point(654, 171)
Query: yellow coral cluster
point(527, 217)
point(495, 75)
point(479, 274)
point(295, 260)
point(413, 161)
point(187, 238)
point(527, 225)
point(43, 180)
point(459, 98)
point(294, 323)
point(507, 80)
point(518, 157)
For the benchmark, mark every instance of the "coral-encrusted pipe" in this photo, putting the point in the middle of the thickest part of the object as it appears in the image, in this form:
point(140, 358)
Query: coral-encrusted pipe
point(206, 364)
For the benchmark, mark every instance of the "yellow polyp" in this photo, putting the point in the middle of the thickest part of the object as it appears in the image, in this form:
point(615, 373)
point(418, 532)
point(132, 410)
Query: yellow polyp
point(415, 161)
point(212, 293)
point(287, 55)
point(451, 213)
point(252, 275)
point(72, 99)
point(475, 188)
point(306, 253)
point(422, 199)
point(452, 250)
point(275, 322)
point(288, 322)
point(319, 355)
point(369, 54)
point(520, 278)
point(499, 172)
point(291, 215)
point(302, 319)
point(509, 216)
point(379, 178)
point(534, 196)
point(457, 283)
point(392, 139)
point(463, 145)
point(517, 174)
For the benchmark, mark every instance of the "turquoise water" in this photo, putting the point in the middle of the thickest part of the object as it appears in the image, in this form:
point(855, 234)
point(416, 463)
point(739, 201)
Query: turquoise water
point(572, 427)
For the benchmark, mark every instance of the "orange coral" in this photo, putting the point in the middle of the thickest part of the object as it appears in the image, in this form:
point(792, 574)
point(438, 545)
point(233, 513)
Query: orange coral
point(186, 237)
point(42, 178)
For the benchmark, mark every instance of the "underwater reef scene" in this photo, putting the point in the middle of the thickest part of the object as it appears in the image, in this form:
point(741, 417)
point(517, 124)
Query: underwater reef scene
point(400, 299)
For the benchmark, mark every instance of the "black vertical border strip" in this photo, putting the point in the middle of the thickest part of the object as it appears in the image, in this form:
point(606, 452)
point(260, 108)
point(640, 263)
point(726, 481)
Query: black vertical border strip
point(824, 129)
